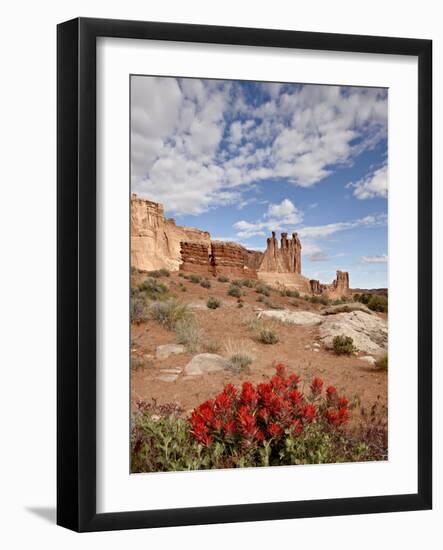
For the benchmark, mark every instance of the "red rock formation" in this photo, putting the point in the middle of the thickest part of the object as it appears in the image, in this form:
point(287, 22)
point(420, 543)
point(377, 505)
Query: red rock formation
point(283, 259)
point(230, 259)
point(316, 287)
point(195, 257)
point(155, 241)
point(339, 287)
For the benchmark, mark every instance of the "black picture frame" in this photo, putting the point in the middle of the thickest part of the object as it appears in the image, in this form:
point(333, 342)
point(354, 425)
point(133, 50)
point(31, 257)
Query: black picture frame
point(76, 278)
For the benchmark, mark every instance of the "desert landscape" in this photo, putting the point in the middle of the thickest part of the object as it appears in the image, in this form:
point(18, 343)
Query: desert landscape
point(207, 314)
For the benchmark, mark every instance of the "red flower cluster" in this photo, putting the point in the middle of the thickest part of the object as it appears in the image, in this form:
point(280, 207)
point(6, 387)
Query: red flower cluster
point(266, 412)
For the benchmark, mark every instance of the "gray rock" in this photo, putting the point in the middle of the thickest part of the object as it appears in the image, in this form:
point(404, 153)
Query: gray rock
point(292, 317)
point(369, 359)
point(205, 363)
point(171, 371)
point(346, 308)
point(166, 350)
point(316, 345)
point(168, 377)
point(369, 332)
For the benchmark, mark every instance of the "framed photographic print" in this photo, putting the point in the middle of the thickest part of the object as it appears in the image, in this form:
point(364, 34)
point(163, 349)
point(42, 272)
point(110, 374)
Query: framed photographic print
point(244, 246)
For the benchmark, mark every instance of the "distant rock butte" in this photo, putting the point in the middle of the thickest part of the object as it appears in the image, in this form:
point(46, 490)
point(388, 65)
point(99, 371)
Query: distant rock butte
point(157, 242)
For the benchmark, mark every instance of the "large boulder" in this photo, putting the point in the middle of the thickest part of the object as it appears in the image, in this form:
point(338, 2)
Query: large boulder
point(205, 363)
point(369, 332)
point(292, 317)
point(346, 308)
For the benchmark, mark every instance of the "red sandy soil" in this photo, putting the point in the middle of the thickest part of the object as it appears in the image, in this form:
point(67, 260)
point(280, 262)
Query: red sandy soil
point(351, 376)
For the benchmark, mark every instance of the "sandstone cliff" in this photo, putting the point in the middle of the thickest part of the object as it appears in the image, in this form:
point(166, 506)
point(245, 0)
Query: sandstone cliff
point(283, 259)
point(155, 241)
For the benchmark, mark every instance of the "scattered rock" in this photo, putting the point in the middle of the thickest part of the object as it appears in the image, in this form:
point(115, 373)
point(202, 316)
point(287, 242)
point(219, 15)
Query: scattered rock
point(346, 308)
point(171, 371)
point(163, 352)
point(316, 349)
point(205, 362)
point(316, 345)
point(369, 332)
point(293, 317)
point(369, 359)
point(168, 377)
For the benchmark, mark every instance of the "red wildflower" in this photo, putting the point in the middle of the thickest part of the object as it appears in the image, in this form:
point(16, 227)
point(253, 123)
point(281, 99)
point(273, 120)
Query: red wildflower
point(331, 416)
point(331, 393)
point(248, 394)
point(294, 379)
point(308, 412)
point(316, 386)
point(246, 420)
point(230, 427)
point(295, 396)
point(343, 415)
point(275, 430)
point(206, 411)
point(342, 402)
point(263, 413)
point(296, 427)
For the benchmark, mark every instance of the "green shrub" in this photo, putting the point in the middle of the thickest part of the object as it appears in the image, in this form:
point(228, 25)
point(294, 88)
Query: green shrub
point(378, 303)
point(319, 300)
point(205, 283)
point(223, 279)
point(237, 282)
point(196, 279)
point(290, 293)
point(139, 307)
point(343, 345)
point(159, 273)
point(210, 346)
point(213, 303)
point(239, 362)
point(169, 313)
point(234, 291)
point(382, 363)
point(263, 289)
point(248, 283)
point(272, 305)
point(181, 274)
point(189, 334)
point(267, 336)
point(154, 290)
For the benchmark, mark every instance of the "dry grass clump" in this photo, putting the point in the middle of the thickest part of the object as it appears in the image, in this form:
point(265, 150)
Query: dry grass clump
point(189, 334)
point(170, 312)
point(234, 291)
point(213, 303)
point(239, 354)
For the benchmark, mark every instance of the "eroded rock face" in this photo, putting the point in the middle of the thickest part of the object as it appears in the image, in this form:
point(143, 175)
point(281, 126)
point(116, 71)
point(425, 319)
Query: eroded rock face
point(369, 332)
point(229, 259)
point(155, 241)
point(285, 258)
point(195, 257)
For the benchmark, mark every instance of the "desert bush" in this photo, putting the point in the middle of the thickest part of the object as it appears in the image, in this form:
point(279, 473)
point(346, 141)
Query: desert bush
point(157, 273)
point(239, 362)
point(189, 334)
point(267, 336)
point(181, 275)
point(213, 303)
point(209, 346)
point(248, 283)
point(272, 305)
point(269, 424)
point(234, 291)
point(154, 290)
point(261, 298)
point(223, 279)
point(205, 283)
point(169, 313)
point(237, 282)
point(374, 302)
point(240, 304)
point(139, 307)
point(382, 362)
point(263, 289)
point(343, 345)
point(290, 293)
point(196, 279)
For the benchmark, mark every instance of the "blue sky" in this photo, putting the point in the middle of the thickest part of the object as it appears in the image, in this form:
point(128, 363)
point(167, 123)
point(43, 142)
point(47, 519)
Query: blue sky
point(240, 159)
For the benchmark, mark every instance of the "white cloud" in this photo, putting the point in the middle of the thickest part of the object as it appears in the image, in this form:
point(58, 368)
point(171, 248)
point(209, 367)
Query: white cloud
point(383, 259)
point(197, 143)
point(277, 217)
point(318, 231)
point(373, 185)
